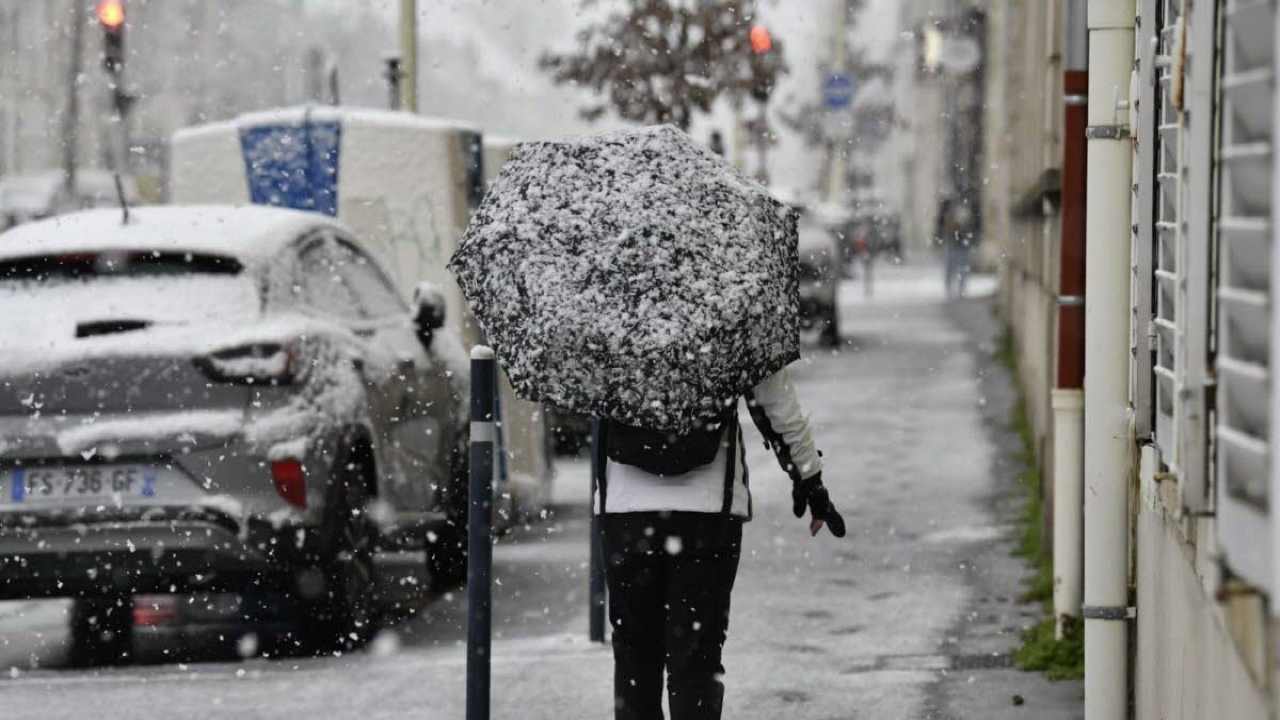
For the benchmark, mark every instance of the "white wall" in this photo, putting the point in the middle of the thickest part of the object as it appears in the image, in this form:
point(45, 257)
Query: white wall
point(1194, 654)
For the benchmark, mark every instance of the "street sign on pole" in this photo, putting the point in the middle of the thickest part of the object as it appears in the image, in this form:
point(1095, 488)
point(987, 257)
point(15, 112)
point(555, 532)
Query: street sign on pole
point(837, 91)
point(960, 54)
point(838, 126)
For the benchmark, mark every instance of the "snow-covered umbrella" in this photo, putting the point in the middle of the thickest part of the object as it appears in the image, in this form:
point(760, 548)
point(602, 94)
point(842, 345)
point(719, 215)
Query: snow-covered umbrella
point(633, 276)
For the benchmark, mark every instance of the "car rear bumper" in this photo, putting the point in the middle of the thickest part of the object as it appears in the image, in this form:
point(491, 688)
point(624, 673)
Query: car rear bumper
point(210, 625)
point(816, 308)
point(185, 553)
point(167, 643)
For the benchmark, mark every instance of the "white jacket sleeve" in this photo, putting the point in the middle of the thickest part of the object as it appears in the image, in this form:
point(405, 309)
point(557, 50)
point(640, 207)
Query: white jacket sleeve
point(776, 412)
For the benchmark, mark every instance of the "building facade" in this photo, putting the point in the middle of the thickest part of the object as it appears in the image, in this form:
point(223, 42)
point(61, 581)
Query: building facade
point(186, 62)
point(1196, 117)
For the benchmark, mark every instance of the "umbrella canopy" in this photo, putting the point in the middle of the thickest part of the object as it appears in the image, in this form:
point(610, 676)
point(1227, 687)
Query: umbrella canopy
point(633, 276)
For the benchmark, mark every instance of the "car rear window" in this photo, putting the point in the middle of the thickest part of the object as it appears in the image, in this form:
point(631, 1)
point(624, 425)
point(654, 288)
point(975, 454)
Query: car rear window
point(135, 264)
point(62, 294)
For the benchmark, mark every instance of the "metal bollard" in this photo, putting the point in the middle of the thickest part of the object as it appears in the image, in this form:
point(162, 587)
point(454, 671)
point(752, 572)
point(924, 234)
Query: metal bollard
point(479, 532)
point(596, 584)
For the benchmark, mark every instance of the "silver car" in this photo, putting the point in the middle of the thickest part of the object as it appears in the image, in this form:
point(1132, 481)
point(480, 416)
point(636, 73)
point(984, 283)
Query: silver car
point(219, 399)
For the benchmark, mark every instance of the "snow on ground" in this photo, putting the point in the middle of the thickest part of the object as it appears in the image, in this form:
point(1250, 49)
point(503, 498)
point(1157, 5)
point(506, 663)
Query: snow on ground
point(911, 616)
point(903, 286)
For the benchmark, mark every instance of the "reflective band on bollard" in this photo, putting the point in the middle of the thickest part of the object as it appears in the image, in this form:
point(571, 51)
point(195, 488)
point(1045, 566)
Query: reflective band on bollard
point(479, 525)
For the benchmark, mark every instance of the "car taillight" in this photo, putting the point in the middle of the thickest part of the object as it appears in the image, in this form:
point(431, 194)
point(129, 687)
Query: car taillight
point(253, 364)
point(291, 481)
point(155, 610)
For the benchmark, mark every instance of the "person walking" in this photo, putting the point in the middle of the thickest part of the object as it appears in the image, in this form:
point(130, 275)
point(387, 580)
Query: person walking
point(636, 277)
point(953, 230)
point(672, 512)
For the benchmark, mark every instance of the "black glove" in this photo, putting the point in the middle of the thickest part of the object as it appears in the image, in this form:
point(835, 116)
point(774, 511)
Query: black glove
point(813, 493)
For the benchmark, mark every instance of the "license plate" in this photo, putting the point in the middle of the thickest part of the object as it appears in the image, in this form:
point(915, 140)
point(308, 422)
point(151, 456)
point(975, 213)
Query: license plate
point(77, 484)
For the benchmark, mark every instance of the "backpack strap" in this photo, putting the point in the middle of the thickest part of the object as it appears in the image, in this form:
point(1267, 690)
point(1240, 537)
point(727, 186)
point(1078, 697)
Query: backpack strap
point(730, 461)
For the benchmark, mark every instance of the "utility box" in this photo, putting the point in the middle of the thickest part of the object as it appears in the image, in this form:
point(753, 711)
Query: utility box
point(405, 184)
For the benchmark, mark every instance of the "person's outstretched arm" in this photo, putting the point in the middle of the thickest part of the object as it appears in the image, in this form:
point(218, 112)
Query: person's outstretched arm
point(776, 412)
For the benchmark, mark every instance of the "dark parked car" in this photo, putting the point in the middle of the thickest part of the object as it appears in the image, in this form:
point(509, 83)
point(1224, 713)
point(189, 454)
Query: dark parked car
point(570, 433)
point(820, 272)
point(198, 626)
point(217, 400)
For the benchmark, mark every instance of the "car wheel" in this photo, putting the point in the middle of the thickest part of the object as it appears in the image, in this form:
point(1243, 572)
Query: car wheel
point(102, 630)
point(343, 615)
point(447, 545)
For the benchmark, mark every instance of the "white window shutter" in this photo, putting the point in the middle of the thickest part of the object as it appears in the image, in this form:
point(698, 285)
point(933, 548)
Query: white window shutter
point(1167, 253)
point(1179, 218)
point(1196, 222)
point(1246, 327)
point(1143, 203)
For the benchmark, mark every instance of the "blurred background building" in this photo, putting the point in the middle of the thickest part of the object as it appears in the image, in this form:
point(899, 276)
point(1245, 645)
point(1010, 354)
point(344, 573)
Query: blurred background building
point(191, 61)
point(938, 60)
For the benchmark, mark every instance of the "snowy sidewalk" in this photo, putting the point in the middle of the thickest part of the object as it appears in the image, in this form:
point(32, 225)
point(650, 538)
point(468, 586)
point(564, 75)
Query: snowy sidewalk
point(913, 615)
point(909, 285)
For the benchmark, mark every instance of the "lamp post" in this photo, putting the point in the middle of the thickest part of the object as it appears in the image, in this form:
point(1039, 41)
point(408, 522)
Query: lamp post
point(409, 55)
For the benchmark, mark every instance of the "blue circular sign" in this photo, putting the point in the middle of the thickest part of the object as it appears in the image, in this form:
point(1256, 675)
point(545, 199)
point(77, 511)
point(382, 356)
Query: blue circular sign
point(837, 91)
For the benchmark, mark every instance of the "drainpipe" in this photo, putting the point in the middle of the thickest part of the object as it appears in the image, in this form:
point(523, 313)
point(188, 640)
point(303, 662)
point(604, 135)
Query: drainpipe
point(1068, 396)
point(1107, 435)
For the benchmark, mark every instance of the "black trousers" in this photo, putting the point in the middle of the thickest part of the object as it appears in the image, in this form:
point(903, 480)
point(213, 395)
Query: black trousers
point(669, 577)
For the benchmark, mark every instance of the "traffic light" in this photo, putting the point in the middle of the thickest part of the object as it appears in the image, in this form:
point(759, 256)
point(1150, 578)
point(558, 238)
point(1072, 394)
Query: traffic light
point(111, 18)
point(761, 40)
point(764, 63)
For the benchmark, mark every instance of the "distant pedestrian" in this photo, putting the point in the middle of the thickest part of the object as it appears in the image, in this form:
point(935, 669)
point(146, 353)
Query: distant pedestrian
point(716, 143)
point(954, 231)
point(673, 509)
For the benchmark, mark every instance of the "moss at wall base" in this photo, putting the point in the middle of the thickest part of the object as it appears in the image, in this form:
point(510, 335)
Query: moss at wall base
point(1040, 651)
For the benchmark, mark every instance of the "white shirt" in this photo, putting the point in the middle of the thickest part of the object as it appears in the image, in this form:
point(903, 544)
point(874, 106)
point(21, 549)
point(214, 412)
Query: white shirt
point(630, 489)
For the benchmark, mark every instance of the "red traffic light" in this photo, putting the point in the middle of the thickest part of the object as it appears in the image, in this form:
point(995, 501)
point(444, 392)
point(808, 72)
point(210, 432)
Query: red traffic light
point(111, 14)
point(761, 40)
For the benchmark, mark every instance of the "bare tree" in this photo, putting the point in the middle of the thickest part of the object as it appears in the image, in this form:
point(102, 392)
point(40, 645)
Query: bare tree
point(660, 61)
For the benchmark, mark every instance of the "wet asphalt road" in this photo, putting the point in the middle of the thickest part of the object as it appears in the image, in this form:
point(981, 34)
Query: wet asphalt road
point(914, 615)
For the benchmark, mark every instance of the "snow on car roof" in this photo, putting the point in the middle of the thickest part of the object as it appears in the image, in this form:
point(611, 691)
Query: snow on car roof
point(248, 233)
point(831, 213)
point(327, 113)
point(502, 141)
